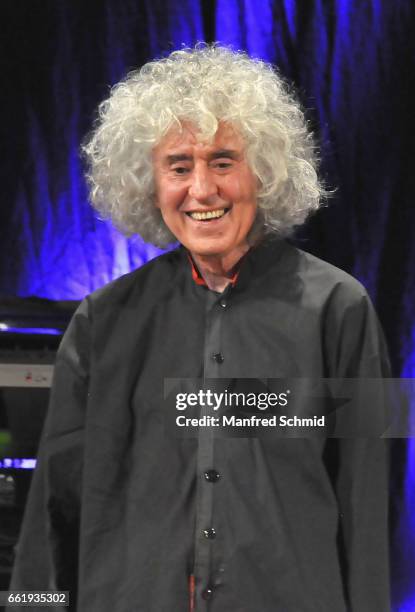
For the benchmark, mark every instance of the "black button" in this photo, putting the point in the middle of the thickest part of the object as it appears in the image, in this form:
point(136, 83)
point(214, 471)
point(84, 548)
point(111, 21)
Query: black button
point(210, 533)
point(218, 357)
point(212, 476)
point(223, 303)
point(207, 593)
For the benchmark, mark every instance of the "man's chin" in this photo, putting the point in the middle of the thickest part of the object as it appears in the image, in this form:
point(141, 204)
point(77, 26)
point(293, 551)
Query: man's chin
point(216, 252)
point(206, 248)
point(205, 252)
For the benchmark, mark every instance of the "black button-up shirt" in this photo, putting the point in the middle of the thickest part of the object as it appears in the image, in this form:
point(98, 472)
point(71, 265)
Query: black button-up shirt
point(122, 513)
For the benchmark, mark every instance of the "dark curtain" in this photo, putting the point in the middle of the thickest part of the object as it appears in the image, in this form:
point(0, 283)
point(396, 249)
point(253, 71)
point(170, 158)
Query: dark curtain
point(354, 66)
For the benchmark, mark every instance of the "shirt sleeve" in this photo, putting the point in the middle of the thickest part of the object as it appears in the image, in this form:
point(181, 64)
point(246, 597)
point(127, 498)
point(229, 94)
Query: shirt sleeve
point(358, 350)
point(47, 550)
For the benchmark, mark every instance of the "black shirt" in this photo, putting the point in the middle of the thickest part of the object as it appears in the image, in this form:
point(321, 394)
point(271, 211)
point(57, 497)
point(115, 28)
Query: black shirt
point(122, 513)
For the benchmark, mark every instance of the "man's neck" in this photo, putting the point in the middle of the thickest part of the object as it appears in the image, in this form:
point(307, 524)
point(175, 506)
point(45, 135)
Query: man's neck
point(217, 270)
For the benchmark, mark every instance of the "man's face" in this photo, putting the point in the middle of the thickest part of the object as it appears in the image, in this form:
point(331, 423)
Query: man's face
point(206, 192)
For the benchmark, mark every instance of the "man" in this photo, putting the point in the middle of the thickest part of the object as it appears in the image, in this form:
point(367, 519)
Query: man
point(207, 147)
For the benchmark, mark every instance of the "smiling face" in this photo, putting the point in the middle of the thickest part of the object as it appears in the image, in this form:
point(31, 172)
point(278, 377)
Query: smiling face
point(206, 192)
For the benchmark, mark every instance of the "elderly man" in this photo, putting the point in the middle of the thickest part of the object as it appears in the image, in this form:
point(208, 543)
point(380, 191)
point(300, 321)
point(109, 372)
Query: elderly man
point(207, 147)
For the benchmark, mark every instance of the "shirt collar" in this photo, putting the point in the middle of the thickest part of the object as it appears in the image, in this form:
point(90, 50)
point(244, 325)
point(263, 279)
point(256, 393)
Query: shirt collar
point(251, 267)
point(198, 278)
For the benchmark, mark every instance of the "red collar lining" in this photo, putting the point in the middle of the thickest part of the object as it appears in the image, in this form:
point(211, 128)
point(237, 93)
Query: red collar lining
point(198, 278)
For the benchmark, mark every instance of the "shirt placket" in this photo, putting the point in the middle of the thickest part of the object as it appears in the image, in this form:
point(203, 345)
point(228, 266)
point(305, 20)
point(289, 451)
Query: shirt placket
point(206, 534)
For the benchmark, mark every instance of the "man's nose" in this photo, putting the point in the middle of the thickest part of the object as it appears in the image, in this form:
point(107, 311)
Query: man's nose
point(203, 185)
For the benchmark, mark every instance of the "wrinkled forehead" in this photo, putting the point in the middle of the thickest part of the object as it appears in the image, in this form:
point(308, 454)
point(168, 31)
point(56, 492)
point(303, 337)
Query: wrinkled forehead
point(227, 136)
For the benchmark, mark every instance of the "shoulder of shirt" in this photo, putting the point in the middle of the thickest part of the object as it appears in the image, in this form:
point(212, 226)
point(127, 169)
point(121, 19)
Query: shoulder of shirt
point(317, 272)
point(125, 286)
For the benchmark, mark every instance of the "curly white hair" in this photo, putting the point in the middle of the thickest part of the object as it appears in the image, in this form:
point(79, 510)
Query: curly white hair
point(203, 85)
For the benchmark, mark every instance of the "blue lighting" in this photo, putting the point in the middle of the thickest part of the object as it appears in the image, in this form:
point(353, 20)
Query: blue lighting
point(49, 331)
point(408, 370)
point(256, 35)
point(408, 518)
point(17, 464)
point(408, 606)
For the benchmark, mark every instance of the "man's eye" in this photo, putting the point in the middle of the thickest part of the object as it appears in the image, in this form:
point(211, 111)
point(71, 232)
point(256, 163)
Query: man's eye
point(180, 170)
point(222, 165)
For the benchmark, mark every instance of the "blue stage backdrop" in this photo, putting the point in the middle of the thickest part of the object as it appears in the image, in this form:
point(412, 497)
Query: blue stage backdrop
point(354, 66)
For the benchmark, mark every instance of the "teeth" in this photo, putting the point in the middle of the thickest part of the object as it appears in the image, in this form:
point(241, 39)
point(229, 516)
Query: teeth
point(211, 214)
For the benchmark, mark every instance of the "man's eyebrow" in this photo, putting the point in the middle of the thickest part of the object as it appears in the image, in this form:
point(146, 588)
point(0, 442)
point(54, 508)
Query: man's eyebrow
point(225, 153)
point(172, 159)
point(178, 157)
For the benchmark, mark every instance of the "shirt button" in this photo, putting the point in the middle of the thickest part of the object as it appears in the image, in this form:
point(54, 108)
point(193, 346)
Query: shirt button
point(212, 476)
point(218, 357)
point(210, 534)
point(207, 593)
point(223, 303)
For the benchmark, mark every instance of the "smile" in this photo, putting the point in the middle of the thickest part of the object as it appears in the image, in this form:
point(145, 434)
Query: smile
point(208, 215)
